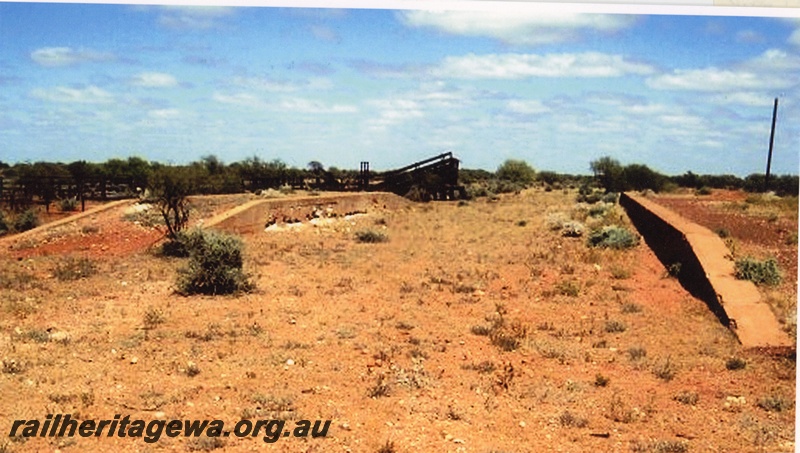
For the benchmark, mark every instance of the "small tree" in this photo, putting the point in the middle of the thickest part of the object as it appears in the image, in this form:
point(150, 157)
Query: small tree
point(170, 187)
point(610, 173)
point(517, 172)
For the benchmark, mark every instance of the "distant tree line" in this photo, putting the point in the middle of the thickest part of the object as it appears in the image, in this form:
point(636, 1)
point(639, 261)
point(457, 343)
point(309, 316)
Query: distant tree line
point(22, 184)
point(609, 174)
point(615, 177)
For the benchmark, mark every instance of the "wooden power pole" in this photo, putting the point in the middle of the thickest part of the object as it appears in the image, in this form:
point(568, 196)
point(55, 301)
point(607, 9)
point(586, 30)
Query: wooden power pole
point(771, 141)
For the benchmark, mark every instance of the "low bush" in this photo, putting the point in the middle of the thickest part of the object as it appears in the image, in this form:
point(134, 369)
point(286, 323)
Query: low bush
point(759, 272)
point(687, 397)
point(556, 220)
point(735, 363)
point(614, 237)
point(774, 403)
point(572, 229)
point(28, 220)
point(215, 265)
point(611, 197)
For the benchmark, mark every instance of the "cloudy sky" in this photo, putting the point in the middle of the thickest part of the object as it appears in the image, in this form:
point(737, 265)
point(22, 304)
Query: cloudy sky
point(169, 83)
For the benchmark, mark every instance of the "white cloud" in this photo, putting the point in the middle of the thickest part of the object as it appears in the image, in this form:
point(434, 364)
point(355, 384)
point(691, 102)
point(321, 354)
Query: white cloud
point(154, 80)
point(627, 104)
point(684, 121)
point(242, 99)
point(527, 107)
point(164, 113)
point(748, 98)
point(193, 17)
point(516, 27)
point(88, 95)
point(281, 86)
point(309, 106)
point(519, 66)
point(394, 111)
point(774, 69)
point(708, 79)
point(67, 56)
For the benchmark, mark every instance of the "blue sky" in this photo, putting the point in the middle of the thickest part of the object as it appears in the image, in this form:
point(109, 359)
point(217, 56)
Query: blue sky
point(173, 83)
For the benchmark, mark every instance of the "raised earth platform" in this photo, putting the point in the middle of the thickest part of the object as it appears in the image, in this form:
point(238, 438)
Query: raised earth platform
point(708, 273)
point(257, 215)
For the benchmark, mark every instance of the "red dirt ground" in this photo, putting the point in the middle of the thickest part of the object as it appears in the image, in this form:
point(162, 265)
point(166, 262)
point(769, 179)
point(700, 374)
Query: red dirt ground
point(335, 322)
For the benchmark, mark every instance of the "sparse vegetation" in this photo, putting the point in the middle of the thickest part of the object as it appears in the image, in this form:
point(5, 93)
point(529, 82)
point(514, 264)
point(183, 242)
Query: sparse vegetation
point(600, 380)
point(775, 403)
point(570, 420)
point(334, 314)
point(665, 370)
point(614, 326)
point(153, 317)
point(371, 236)
point(72, 268)
point(569, 288)
point(637, 353)
point(660, 446)
point(631, 307)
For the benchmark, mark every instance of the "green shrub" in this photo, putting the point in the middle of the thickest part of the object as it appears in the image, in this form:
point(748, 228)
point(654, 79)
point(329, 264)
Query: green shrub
point(28, 220)
point(611, 197)
point(599, 209)
point(215, 265)
point(759, 272)
point(615, 237)
point(69, 204)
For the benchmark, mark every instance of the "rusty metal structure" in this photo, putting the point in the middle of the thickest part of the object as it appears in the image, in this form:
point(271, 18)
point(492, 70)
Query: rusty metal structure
point(435, 178)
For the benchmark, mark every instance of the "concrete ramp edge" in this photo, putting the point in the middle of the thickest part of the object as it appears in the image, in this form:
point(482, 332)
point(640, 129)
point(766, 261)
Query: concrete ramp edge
point(707, 271)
